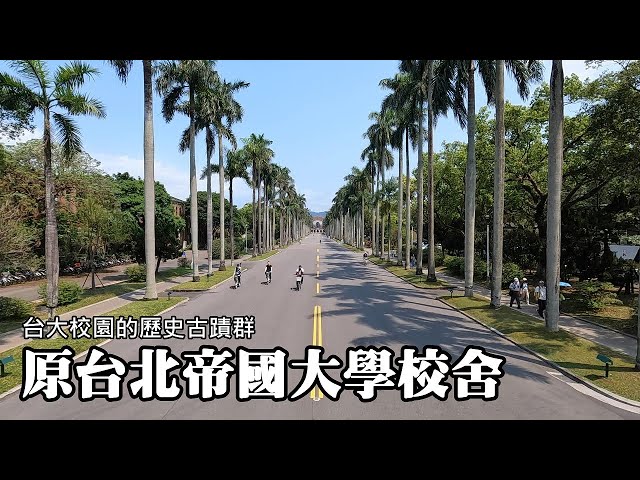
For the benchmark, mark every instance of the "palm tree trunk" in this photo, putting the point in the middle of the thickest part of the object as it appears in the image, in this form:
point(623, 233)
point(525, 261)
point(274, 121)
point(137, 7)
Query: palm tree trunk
point(280, 242)
point(498, 190)
point(470, 185)
point(556, 119)
point(389, 240)
point(408, 206)
point(231, 234)
point(431, 274)
point(221, 180)
point(209, 217)
point(399, 236)
point(362, 224)
point(253, 208)
point(377, 248)
point(52, 254)
point(193, 186)
point(151, 292)
point(259, 216)
point(420, 222)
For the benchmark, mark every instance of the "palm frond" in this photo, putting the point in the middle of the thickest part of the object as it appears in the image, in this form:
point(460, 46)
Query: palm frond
point(16, 95)
point(34, 71)
point(79, 104)
point(183, 145)
point(210, 140)
point(122, 68)
point(171, 102)
point(74, 74)
point(68, 134)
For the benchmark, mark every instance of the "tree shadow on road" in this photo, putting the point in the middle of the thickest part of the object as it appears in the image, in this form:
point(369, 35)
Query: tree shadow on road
point(400, 314)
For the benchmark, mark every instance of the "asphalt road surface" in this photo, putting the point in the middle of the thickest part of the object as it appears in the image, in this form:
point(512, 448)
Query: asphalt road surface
point(359, 305)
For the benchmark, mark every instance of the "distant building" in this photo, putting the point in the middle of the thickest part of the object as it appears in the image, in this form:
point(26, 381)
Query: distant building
point(179, 209)
point(626, 252)
point(317, 224)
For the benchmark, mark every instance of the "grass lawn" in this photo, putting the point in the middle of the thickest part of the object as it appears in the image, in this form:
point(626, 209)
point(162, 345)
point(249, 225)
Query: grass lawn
point(576, 354)
point(409, 275)
point(351, 247)
point(618, 317)
point(204, 283)
point(89, 297)
point(263, 256)
point(13, 371)
point(8, 326)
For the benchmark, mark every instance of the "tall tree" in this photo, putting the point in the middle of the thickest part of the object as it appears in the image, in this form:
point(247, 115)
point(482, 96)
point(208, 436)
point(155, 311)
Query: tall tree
point(57, 97)
point(123, 67)
point(524, 71)
point(554, 207)
point(175, 81)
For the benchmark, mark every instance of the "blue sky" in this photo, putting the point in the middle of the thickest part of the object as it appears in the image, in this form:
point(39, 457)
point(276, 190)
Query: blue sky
point(314, 111)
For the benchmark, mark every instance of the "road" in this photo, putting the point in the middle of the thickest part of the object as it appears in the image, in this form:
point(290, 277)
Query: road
point(361, 305)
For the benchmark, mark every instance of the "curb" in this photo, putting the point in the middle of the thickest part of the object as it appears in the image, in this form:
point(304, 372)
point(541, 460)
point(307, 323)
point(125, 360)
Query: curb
point(566, 372)
point(206, 290)
point(82, 354)
point(265, 258)
point(439, 288)
point(600, 325)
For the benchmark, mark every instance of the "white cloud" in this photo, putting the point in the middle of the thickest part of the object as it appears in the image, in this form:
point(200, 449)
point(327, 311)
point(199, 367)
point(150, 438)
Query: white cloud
point(24, 137)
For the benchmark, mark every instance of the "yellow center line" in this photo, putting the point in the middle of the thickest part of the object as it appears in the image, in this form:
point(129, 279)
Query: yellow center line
point(317, 341)
point(318, 287)
point(318, 274)
point(317, 258)
point(317, 250)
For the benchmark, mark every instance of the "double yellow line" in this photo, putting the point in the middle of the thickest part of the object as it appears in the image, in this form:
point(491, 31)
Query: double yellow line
point(317, 341)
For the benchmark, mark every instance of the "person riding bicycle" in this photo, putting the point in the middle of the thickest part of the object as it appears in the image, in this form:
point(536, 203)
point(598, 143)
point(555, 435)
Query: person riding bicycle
point(267, 271)
point(238, 274)
point(300, 272)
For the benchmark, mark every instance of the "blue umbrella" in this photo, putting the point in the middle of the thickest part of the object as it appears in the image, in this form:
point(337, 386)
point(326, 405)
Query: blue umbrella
point(564, 284)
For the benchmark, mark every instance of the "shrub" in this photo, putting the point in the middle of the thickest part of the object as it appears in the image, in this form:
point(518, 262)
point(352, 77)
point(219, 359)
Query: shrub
point(184, 262)
point(238, 249)
point(68, 292)
point(439, 258)
point(136, 273)
point(15, 310)
point(479, 269)
point(455, 265)
point(509, 271)
point(594, 295)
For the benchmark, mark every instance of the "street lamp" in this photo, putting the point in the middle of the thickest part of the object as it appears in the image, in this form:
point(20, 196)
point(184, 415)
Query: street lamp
point(487, 217)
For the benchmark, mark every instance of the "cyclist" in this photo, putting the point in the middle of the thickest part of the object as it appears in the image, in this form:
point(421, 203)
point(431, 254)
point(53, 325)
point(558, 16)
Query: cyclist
point(301, 272)
point(267, 271)
point(237, 274)
point(364, 257)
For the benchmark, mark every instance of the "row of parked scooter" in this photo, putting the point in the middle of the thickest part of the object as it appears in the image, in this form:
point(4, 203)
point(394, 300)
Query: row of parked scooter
point(13, 277)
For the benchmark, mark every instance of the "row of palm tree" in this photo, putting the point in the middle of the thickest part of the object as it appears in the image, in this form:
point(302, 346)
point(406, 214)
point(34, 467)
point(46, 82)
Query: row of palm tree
point(443, 86)
point(190, 87)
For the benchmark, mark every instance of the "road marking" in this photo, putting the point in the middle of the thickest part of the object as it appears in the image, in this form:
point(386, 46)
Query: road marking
point(317, 250)
point(317, 258)
point(317, 265)
point(317, 341)
point(318, 274)
point(318, 287)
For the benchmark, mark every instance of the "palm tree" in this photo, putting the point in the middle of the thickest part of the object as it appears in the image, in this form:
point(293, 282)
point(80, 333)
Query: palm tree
point(123, 67)
point(41, 91)
point(524, 71)
point(232, 111)
point(556, 120)
point(236, 166)
point(175, 80)
point(259, 153)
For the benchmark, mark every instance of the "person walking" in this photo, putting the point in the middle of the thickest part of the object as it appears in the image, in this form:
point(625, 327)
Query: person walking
point(540, 294)
point(514, 292)
point(524, 290)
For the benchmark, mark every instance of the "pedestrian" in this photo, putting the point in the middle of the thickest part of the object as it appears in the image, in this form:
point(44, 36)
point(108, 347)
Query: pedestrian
point(524, 289)
point(540, 294)
point(514, 292)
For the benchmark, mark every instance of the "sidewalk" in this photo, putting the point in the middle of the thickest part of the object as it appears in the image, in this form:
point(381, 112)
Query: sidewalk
point(577, 326)
point(15, 338)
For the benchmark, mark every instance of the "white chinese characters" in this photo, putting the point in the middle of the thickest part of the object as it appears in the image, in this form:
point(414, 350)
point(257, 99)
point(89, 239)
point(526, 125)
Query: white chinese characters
point(206, 373)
